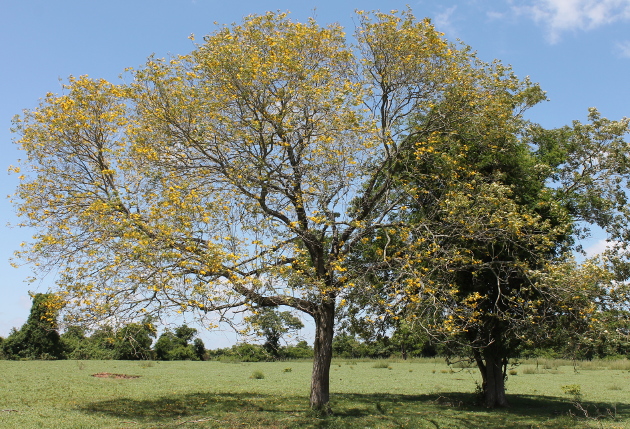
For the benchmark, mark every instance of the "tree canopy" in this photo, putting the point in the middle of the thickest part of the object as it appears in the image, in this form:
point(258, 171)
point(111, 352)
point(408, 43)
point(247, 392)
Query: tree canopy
point(495, 206)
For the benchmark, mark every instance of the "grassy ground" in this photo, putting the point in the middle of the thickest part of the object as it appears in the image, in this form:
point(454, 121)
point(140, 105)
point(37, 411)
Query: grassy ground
point(365, 394)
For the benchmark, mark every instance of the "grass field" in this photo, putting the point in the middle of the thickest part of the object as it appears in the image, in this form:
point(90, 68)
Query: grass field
point(365, 394)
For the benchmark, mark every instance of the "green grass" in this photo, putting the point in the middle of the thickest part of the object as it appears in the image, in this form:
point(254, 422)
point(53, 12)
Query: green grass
point(413, 394)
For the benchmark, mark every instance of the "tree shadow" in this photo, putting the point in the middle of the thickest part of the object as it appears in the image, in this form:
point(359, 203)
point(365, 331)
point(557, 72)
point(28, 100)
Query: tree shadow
point(460, 409)
point(178, 405)
point(539, 407)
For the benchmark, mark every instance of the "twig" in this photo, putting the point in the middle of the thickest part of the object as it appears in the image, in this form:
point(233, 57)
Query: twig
point(9, 411)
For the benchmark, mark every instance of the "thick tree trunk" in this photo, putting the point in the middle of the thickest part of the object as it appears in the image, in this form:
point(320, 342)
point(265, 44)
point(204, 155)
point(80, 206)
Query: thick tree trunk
point(494, 392)
point(491, 367)
point(320, 379)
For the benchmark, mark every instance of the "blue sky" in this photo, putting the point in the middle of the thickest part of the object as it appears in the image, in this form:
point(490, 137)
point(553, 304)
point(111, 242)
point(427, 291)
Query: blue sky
point(578, 50)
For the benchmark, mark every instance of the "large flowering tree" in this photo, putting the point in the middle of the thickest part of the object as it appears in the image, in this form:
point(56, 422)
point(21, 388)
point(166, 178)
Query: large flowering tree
point(247, 172)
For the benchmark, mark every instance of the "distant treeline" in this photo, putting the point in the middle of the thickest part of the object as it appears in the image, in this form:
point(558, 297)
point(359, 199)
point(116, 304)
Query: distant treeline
point(39, 338)
point(136, 341)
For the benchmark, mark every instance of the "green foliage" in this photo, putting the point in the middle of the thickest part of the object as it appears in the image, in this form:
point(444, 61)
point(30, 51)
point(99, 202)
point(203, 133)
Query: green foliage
point(103, 341)
point(185, 334)
point(403, 343)
point(38, 337)
point(244, 352)
point(175, 345)
point(273, 325)
point(199, 349)
point(257, 375)
point(348, 346)
point(408, 342)
point(133, 341)
point(495, 203)
point(604, 336)
point(249, 353)
point(301, 350)
point(79, 346)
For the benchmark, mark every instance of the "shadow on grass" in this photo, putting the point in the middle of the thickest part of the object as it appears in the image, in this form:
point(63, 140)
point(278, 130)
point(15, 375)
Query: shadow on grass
point(448, 409)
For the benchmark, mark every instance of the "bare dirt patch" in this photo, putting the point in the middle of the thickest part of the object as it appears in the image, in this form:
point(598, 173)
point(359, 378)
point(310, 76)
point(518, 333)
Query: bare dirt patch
point(110, 375)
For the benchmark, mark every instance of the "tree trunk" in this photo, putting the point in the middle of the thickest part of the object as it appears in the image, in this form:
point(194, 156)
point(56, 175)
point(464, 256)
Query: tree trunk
point(320, 379)
point(493, 385)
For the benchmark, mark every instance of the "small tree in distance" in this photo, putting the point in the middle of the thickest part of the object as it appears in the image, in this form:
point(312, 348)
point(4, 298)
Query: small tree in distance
point(273, 325)
point(133, 341)
point(176, 345)
point(38, 338)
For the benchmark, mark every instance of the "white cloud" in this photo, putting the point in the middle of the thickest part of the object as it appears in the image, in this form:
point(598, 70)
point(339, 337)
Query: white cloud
point(596, 248)
point(560, 16)
point(444, 21)
point(495, 15)
point(624, 48)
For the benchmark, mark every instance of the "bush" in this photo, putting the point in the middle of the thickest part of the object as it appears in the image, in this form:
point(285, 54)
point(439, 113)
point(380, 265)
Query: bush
point(250, 353)
point(246, 352)
point(299, 351)
point(257, 375)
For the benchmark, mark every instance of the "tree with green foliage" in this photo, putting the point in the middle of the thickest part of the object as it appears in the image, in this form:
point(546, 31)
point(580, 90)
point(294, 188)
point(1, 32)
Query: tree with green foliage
point(596, 324)
point(103, 341)
point(133, 341)
point(199, 348)
point(273, 325)
point(242, 352)
point(346, 346)
point(38, 338)
point(409, 342)
point(501, 201)
point(76, 344)
point(300, 350)
point(477, 220)
point(175, 345)
point(185, 333)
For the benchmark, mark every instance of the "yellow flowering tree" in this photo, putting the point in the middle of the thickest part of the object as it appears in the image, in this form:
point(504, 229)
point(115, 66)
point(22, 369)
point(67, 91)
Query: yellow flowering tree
point(248, 172)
